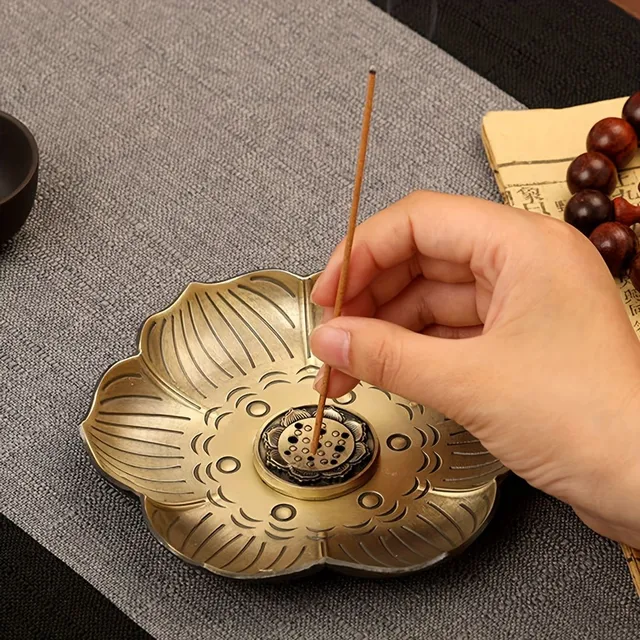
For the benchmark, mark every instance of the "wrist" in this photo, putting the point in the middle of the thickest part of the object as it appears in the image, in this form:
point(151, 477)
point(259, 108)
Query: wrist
point(611, 506)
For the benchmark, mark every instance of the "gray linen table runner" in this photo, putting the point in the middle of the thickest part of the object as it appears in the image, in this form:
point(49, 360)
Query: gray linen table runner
point(188, 140)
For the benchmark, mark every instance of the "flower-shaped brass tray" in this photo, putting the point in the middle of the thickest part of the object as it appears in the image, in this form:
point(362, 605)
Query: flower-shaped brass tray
point(210, 425)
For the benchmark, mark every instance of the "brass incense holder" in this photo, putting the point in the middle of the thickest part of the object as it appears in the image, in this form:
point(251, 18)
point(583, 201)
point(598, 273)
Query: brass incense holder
point(210, 426)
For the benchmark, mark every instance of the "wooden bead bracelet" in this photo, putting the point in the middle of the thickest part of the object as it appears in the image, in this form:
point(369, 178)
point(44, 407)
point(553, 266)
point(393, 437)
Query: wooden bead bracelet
point(592, 178)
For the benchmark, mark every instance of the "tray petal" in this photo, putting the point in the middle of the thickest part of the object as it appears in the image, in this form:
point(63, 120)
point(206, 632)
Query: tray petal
point(137, 433)
point(460, 461)
point(230, 542)
point(215, 333)
point(435, 526)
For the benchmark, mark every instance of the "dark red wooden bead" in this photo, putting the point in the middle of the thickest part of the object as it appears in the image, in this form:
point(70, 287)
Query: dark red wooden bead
point(634, 272)
point(617, 244)
point(588, 209)
point(592, 170)
point(615, 138)
point(631, 111)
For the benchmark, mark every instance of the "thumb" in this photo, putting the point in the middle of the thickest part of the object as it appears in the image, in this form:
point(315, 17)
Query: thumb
point(441, 373)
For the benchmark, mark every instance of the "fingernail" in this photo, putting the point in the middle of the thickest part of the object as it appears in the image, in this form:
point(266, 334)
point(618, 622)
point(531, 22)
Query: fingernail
point(331, 345)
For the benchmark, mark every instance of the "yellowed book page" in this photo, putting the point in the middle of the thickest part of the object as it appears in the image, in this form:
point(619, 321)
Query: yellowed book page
point(530, 151)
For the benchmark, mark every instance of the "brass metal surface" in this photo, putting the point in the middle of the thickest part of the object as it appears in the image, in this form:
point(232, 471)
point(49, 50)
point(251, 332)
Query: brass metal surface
point(345, 460)
point(207, 424)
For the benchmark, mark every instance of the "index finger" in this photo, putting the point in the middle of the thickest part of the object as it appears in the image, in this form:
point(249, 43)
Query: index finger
point(450, 232)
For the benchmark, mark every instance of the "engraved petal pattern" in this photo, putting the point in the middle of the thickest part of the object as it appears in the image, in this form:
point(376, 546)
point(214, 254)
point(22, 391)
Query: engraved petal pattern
point(175, 424)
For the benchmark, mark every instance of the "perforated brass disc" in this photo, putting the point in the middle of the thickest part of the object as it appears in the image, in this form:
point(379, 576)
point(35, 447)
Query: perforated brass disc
point(208, 425)
point(345, 460)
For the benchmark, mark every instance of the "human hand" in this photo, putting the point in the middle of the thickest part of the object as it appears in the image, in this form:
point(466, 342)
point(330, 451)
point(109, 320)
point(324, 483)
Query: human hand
point(545, 370)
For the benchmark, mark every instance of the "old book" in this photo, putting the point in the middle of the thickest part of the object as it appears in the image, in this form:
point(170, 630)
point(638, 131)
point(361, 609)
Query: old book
point(530, 151)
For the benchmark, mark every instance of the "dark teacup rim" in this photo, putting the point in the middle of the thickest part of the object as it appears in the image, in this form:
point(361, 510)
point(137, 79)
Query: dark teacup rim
point(34, 151)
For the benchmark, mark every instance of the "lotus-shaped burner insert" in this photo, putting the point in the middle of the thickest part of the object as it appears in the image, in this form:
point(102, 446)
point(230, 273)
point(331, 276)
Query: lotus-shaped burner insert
point(209, 424)
point(344, 459)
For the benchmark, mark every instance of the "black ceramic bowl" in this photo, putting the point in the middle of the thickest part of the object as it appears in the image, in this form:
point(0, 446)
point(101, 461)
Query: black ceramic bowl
point(18, 174)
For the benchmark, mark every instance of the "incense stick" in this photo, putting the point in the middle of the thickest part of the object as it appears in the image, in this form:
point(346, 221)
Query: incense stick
point(344, 273)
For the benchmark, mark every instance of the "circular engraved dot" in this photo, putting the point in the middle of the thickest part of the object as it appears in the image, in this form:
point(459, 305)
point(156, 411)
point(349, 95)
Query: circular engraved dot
point(348, 399)
point(344, 434)
point(283, 512)
point(328, 444)
point(335, 455)
point(258, 409)
point(228, 465)
point(308, 428)
point(292, 439)
point(305, 450)
point(310, 464)
point(335, 434)
point(321, 452)
point(398, 442)
point(306, 440)
point(370, 500)
point(298, 458)
point(298, 432)
point(340, 442)
point(293, 448)
point(323, 461)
